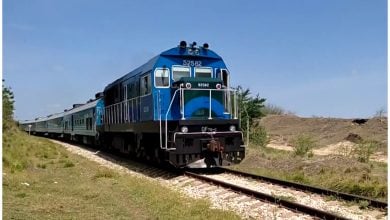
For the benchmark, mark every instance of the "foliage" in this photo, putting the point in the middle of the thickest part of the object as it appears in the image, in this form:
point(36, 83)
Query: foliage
point(270, 109)
point(250, 107)
point(8, 106)
point(363, 204)
point(382, 112)
point(258, 136)
point(346, 150)
point(303, 145)
point(365, 149)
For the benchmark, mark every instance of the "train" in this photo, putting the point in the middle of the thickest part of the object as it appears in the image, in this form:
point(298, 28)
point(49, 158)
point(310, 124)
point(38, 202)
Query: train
point(178, 108)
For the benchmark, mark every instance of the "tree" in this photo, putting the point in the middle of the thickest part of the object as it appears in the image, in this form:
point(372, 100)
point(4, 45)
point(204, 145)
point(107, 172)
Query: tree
point(381, 112)
point(250, 107)
point(8, 106)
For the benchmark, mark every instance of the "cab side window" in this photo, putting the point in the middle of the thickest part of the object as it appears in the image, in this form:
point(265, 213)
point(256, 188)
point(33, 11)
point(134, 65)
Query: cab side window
point(145, 85)
point(161, 78)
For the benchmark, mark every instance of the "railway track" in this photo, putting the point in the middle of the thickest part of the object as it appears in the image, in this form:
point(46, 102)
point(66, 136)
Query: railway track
point(185, 179)
point(269, 198)
point(344, 196)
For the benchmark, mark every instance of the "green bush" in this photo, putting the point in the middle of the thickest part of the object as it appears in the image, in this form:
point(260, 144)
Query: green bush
point(303, 145)
point(104, 173)
point(365, 149)
point(258, 136)
point(68, 164)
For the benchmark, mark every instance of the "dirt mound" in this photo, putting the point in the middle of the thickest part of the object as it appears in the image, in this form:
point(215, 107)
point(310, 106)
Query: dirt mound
point(326, 131)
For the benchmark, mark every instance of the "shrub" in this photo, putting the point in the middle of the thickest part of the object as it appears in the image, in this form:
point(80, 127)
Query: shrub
point(68, 164)
point(303, 145)
point(104, 173)
point(270, 109)
point(42, 166)
point(363, 204)
point(258, 136)
point(365, 149)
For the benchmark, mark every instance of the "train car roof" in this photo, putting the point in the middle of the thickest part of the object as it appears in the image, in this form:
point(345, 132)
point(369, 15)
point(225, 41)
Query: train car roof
point(26, 122)
point(55, 115)
point(40, 119)
point(178, 51)
point(83, 107)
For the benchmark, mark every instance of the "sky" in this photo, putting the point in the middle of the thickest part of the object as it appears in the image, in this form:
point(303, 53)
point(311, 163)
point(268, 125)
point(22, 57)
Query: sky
point(310, 57)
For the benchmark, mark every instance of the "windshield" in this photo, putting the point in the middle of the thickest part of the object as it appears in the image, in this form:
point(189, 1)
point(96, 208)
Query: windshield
point(180, 71)
point(203, 72)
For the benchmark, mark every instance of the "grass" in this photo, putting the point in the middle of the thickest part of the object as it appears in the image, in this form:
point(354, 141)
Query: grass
point(334, 172)
point(43, 181)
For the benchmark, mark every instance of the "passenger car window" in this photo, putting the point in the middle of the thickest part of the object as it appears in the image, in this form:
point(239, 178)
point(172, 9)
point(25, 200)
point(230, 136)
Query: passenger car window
point(161, 77)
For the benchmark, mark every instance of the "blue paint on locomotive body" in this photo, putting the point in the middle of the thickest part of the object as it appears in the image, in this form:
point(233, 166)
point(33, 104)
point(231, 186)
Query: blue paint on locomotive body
point(202, 103)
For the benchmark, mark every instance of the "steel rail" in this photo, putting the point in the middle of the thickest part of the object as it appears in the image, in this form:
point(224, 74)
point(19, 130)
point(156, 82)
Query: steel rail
point(269, 198)
point(313, 189)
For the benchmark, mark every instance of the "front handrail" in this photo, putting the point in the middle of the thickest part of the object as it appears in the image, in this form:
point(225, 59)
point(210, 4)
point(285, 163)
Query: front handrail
point(233, 114)
point(166, 120)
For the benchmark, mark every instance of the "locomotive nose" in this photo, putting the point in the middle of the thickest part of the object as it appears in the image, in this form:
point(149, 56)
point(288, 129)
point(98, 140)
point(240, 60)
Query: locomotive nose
point(202, 98)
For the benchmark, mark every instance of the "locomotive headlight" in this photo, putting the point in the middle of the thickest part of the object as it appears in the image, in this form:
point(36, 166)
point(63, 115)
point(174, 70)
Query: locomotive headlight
point(188, 85)
point(232, 128)
point(218, 86)
point(184, 129)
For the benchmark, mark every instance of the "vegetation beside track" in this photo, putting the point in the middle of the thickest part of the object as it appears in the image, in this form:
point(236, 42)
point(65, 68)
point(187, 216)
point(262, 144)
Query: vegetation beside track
point(333, 172)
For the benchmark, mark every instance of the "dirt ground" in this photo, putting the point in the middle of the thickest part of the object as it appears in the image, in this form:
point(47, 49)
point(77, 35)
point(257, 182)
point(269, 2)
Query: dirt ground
point(333, 136)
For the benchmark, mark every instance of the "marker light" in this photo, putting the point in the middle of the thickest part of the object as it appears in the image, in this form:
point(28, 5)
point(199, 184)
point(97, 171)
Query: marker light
point(232, 128)
point(218, 86)
point(184, 129)
point(188, 85)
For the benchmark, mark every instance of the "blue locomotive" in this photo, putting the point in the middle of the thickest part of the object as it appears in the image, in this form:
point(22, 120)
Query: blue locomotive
point(177, 108)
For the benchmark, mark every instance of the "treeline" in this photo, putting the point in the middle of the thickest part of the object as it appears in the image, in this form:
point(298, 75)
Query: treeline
point(8, 107)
